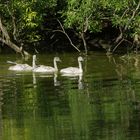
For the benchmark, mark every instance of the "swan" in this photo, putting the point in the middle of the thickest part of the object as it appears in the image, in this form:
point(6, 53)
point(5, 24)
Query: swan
point(46, 69)
point(56, 82)
point(73, 71)
point(20, 67)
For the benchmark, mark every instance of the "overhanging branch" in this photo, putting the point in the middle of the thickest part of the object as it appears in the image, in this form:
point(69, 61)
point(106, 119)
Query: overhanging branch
point(63, 31)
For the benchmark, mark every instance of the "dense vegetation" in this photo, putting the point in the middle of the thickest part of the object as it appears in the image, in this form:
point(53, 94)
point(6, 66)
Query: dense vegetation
point(32, 22)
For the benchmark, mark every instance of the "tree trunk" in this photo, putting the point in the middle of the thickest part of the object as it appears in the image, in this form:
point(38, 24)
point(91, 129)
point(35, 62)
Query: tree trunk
point(6, 40)
point(84, 42)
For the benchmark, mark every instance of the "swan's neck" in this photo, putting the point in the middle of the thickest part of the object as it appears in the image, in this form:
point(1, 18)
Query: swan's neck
point(33, 63)
point(80, 77)
point(55, 65)
point(80, 66)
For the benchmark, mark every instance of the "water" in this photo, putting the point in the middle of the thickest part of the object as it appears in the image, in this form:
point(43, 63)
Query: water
point(103, 104)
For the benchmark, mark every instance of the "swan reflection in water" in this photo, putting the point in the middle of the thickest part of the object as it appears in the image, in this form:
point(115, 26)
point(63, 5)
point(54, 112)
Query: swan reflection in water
point(79, 77)
point(56, 82)
point(54, 76)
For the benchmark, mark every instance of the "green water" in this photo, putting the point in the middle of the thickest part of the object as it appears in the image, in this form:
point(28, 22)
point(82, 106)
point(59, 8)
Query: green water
point(103, 105)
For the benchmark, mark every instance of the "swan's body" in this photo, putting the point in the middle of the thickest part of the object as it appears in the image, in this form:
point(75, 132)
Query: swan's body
point(47, 69)
point(19, 67)
point(42, 68)
point(73, 71)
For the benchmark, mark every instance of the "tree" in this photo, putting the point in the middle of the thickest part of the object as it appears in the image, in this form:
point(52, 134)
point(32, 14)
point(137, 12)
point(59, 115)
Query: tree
point(20, 21)
point(89, 15)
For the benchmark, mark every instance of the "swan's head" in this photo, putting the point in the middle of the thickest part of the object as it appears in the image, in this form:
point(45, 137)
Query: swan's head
point(80, 58)
point(57, 59)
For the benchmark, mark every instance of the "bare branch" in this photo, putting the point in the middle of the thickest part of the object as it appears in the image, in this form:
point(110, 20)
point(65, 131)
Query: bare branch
point(84, 30)
point(63, 31)
point(120, 43)
point(11, 45)
point(6, 40)
point(120, 36)
point(133, 15)
point(117, 45)
point(84, 41)
point(68, 38)
point(4, 31)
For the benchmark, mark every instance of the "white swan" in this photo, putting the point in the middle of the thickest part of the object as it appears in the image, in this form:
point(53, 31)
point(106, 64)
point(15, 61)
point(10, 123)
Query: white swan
point(73, 71)
point(20, 67)
point(47, 69)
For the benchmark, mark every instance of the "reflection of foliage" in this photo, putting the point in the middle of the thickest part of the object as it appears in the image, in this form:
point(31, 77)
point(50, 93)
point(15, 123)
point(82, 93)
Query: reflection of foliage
point(105, 109)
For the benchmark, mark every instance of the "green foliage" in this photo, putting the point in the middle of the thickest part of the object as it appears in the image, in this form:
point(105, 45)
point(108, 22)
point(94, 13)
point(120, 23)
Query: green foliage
point(78, 12)
point(79, 15)
point(27, 15)
point(123, 14)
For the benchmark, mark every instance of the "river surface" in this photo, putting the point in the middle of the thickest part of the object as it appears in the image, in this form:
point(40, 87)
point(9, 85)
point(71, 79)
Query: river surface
point(101, 104)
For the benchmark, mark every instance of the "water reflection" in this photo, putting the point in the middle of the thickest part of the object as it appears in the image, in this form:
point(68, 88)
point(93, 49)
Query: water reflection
point(54, 76)
point(78, 77)
point(103, 103)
